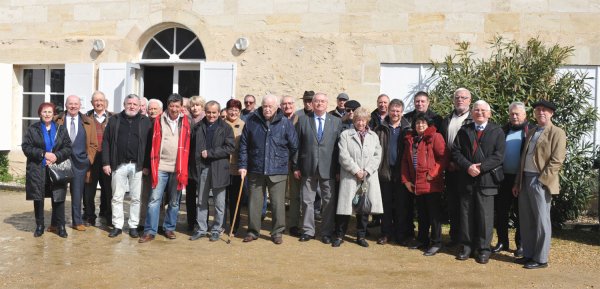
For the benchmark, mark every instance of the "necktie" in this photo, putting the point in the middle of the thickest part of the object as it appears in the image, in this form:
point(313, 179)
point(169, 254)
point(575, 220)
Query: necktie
point(479, 127)
point(320, 129)
point(72, 131)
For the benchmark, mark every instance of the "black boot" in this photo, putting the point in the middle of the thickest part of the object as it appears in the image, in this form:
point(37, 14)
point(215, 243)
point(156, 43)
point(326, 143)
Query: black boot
point(62, 232)
point(39, 230)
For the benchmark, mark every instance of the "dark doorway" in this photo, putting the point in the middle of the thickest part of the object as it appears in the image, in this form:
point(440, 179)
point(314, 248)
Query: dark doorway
point(189, 82)
point(158, 82)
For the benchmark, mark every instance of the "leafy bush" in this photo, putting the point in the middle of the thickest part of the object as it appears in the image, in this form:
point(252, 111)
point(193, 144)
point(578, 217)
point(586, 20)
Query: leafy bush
point(528, 73)
point(5, 176)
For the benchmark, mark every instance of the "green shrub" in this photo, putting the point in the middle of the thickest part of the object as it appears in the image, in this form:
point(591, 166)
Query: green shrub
point(527, 73)
point(5, 176)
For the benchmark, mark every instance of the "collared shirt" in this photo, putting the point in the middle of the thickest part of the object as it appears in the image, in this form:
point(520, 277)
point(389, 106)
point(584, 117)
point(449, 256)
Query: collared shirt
point(529, 164)
point(100, 117)
point(454, 126)
point(322, 120)
point(173, 124)
point(68, 123)
point(480, 126)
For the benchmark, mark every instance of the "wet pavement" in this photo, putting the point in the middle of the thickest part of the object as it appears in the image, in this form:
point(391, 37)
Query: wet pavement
point(92, 260)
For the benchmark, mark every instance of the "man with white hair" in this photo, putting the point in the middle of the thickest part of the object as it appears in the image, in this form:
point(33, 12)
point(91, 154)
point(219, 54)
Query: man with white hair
point(478, 152)
point(144, 106)
point(155, 107)
point(267, 145)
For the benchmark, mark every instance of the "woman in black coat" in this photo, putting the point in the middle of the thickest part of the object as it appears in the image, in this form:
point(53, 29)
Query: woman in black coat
point(44, 143)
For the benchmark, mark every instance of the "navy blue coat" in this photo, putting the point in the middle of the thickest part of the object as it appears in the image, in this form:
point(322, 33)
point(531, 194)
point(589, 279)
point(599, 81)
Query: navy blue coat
point(267, 150)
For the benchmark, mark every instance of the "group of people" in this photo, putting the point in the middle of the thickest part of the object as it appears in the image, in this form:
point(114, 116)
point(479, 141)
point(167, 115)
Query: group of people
point(318, 160)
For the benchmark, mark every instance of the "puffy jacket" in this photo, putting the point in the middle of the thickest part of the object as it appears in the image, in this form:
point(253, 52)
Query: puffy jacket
point(267, 149)
point(432, 158)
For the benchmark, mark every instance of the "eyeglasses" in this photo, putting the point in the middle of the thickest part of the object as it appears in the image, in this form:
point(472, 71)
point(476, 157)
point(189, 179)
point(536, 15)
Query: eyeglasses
point(350, 109)
point(248, 102)
point(461, 97)
point(480, 110)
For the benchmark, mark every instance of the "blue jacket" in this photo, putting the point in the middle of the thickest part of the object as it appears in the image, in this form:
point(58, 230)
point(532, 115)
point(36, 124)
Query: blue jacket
point(267, 150)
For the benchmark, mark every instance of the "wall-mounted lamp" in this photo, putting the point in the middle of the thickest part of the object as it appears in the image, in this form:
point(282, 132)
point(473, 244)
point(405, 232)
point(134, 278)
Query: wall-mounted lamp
point(98, 45)
point(242, 43)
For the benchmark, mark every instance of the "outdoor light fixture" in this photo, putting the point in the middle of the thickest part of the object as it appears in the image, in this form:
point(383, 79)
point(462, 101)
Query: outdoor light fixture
point(98, 45)
point(242, 43)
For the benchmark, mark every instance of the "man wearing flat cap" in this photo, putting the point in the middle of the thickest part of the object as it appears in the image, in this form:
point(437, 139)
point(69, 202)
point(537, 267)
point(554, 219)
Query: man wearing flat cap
point(307, 101)
point(538, 179)
point(340, 110)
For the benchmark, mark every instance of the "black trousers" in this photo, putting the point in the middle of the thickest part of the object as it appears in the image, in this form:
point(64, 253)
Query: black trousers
point(396, 221)
point(453, 205)
point(503, 202)
point(191, 193)
point(232, 196)
point(477, 219)
point(89, 193)
point(342, 221)
point(58, 213)
point(429, 216)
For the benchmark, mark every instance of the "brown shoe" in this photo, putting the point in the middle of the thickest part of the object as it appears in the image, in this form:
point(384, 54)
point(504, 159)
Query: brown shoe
point(170, 235)
point(249, 238)
point(79, 228)
point(146, 238)
point(277, 240)
point(52, 229)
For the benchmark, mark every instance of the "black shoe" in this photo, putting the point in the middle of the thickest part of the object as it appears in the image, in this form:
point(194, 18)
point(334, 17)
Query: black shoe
point(432, 251)
point(337, 242)
point(39, 230)
point(326, 240)
point(305, 238)
point(133, 233)
point(519, 252)
point(523, 260)
point(362, 242)
point(535, 265)
point(62, 232)
point(415, 245)
point(499, 247)
point(115, 232)
point(295, 232)
point(464, 254)
point(483, 258)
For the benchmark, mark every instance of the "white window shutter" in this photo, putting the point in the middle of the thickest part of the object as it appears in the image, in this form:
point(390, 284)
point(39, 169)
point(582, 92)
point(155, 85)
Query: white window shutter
point(217, 81)
point(6, 109)
point(79, 80)
point(402, 81)
point(111, 81)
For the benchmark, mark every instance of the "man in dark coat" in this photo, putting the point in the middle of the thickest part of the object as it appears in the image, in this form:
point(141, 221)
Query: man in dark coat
point(477, 150)
point(214, 144)
point(421, 102)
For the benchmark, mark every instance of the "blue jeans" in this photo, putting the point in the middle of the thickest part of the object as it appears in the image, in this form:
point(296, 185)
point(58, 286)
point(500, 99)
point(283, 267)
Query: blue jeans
point(204, 187)
point(169, 181)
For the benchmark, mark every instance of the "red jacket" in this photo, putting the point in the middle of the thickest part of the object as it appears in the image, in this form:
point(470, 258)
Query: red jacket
point(432, 159)
point(183, 151)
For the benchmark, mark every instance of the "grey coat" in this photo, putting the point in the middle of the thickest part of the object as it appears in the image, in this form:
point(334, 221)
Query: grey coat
point(355, 156)
point(314, 158)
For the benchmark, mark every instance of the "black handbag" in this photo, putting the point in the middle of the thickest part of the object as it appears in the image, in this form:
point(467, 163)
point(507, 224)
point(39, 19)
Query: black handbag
point(61, 173)
point(497, 174)
point(361, 203)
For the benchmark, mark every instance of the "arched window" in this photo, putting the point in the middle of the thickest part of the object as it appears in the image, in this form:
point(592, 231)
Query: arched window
point(174, 44)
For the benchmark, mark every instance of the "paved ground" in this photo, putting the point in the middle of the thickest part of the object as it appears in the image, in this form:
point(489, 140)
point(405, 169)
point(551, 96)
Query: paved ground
point(92, 260)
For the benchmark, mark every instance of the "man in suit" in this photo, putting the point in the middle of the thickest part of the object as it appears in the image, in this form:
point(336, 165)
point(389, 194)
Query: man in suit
point(84, 143)
point(99, 116)
point(477, 150)
point(317, 165)
point(460, 115)
point(537, 180)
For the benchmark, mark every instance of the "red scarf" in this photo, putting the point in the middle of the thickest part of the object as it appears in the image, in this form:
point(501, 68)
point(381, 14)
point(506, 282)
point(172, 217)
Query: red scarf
point(183, 151)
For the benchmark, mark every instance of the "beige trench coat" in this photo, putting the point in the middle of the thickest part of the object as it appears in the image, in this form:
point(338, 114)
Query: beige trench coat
point(353, 157)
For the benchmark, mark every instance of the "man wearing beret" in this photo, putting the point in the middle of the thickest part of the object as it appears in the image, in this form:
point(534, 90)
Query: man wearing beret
point(538, 179)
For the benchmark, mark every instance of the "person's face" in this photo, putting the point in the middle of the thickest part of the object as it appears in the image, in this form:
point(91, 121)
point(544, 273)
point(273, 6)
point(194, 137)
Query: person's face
point(516, 115)
point(269, 108)
point(349, 113)
point(340, 103)
point(153, 110)
point(143, 107)
point(307, 104)
point(233, 113)
point(174, 109)
point(99, 103)
point(47, 114)
point(462, 101)
point(223, 114)
point(73, 105)
point(421, 126)
point(382, 104)
point(212, 113)
point(288, 106)
point(360, 124)
point(195, 109)
point(132, 106)
point(421, 103)
point(480, 114)
point(319, 104)
point(395, 113)
point(185, 108)
point(543, 115)
point(249, 103)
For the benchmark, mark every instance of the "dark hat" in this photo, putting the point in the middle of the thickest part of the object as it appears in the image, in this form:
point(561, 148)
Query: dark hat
point(545, 103)
point(343, 96)
point(308, 95)
point(351, 104)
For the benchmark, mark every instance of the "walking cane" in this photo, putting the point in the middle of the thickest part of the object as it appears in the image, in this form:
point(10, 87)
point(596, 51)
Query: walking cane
point(237, 206)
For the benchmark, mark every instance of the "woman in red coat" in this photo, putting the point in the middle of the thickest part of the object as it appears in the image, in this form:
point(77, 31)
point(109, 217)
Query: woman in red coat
point(423, 166)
